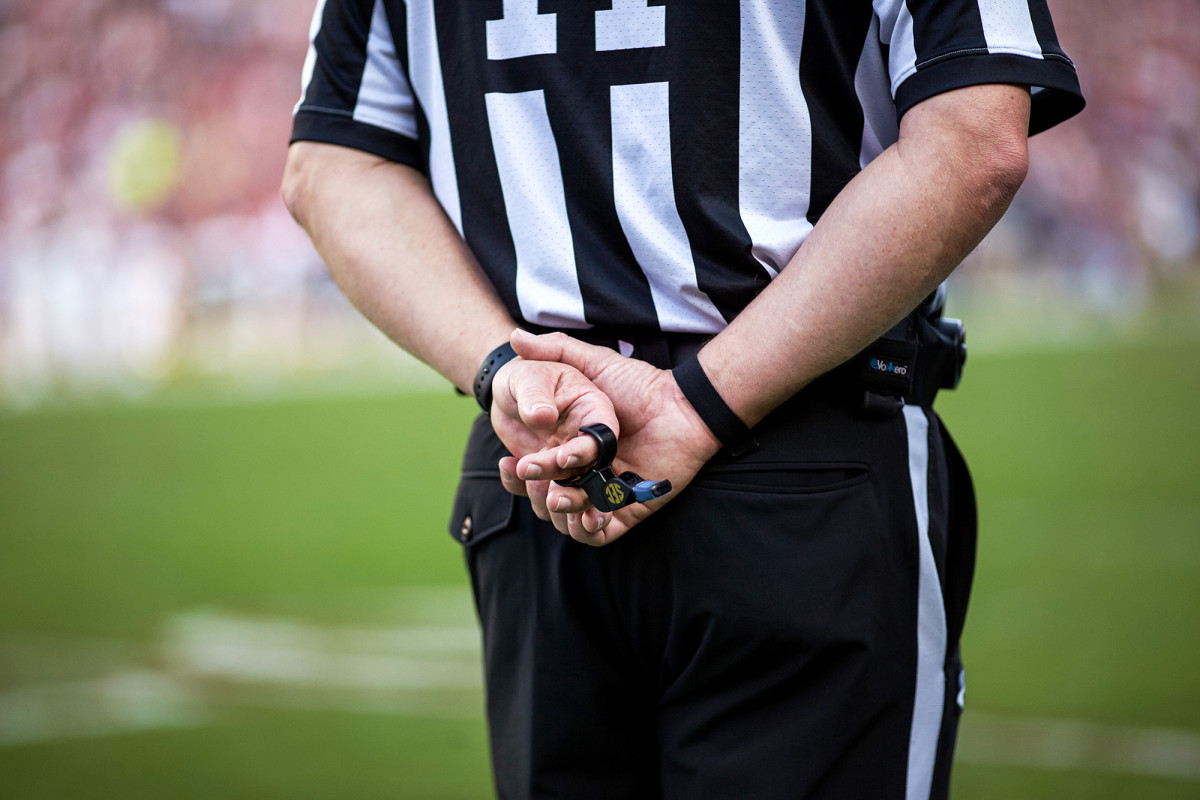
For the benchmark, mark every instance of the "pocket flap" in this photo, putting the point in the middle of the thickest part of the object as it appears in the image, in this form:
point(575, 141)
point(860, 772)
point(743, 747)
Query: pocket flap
point(482, 507)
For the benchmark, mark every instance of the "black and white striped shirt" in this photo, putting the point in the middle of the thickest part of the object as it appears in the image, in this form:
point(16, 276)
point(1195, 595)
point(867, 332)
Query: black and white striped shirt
point(647, 166)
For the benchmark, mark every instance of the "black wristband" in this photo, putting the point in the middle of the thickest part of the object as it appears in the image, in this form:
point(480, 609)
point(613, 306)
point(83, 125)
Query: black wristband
point(712, 408)
point(487, 372)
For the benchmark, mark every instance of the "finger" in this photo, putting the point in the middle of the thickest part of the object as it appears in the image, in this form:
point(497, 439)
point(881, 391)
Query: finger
point(532, 392)
point(557, 463)
point(617, 526)
point(587, 358)
point(537, 498)
point(537, 466)
point(534, 396)
point(508, 477)
point(594, 520)
point(576, 531)
point(579, 531)
point(566, 500)
point(575, 453)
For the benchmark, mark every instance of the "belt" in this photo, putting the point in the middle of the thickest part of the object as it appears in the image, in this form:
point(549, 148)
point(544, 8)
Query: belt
point(908, 364)
point(663, 350)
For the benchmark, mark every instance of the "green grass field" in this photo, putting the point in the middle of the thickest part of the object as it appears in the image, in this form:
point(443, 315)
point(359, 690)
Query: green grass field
point(259, 600)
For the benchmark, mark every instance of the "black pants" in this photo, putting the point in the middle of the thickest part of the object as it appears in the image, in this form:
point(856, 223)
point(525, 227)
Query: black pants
point(787, 627)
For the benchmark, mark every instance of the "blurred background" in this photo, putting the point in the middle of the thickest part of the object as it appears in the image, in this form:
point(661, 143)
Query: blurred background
point(143, 242)
point(223, 566)
point(142, 236)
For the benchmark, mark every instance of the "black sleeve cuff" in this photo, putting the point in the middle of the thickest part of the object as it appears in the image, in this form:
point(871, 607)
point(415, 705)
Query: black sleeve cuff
point(1059, 97)
point(333, 128)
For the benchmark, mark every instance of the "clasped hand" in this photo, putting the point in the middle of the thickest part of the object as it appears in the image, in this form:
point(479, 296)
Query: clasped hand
point(560, 384)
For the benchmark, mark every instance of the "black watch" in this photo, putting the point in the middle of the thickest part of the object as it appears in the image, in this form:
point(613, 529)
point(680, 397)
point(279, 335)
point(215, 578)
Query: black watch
point(487, 373)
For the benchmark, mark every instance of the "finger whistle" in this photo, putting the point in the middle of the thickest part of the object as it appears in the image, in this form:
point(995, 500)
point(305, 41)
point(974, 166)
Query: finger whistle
point(607, 490)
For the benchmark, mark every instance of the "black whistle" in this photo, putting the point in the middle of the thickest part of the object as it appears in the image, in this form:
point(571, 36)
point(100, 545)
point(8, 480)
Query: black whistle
point(607, 490)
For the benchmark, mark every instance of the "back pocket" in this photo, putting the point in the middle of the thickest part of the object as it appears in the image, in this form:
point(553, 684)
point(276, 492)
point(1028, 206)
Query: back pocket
point(783, 477)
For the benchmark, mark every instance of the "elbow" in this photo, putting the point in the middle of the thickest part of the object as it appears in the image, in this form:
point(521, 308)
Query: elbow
point(991, 170)
point(298, 183)
point(978, 138)
point(1004, 168)
point(996, 146)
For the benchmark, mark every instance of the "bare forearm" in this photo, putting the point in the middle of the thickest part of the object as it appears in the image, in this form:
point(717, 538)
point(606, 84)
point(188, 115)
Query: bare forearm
point(892, 235)
point(396, 256)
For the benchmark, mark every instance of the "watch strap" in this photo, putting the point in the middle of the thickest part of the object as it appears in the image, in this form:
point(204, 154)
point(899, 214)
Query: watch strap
point(487, 373)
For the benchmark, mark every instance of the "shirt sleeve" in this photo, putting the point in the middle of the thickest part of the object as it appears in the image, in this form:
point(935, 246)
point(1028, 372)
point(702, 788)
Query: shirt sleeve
point(355, 92)
point(934, 46)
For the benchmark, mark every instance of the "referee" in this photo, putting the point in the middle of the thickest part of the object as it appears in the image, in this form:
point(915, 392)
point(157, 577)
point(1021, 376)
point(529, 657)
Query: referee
point(718, 228)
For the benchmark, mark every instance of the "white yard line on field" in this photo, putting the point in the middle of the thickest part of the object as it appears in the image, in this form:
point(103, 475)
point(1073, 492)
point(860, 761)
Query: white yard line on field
point(287, 651)
point(208, 661)
point(122, 702)
point(1074, 745)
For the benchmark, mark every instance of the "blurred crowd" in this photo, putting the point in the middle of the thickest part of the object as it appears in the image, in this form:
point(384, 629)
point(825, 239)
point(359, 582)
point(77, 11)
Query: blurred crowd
point(1110, 211)
point(141, 231)
point(142, 236)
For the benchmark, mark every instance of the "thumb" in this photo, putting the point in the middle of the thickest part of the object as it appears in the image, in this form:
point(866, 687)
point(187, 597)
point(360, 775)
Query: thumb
point(532, 391)
point(589, 359)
